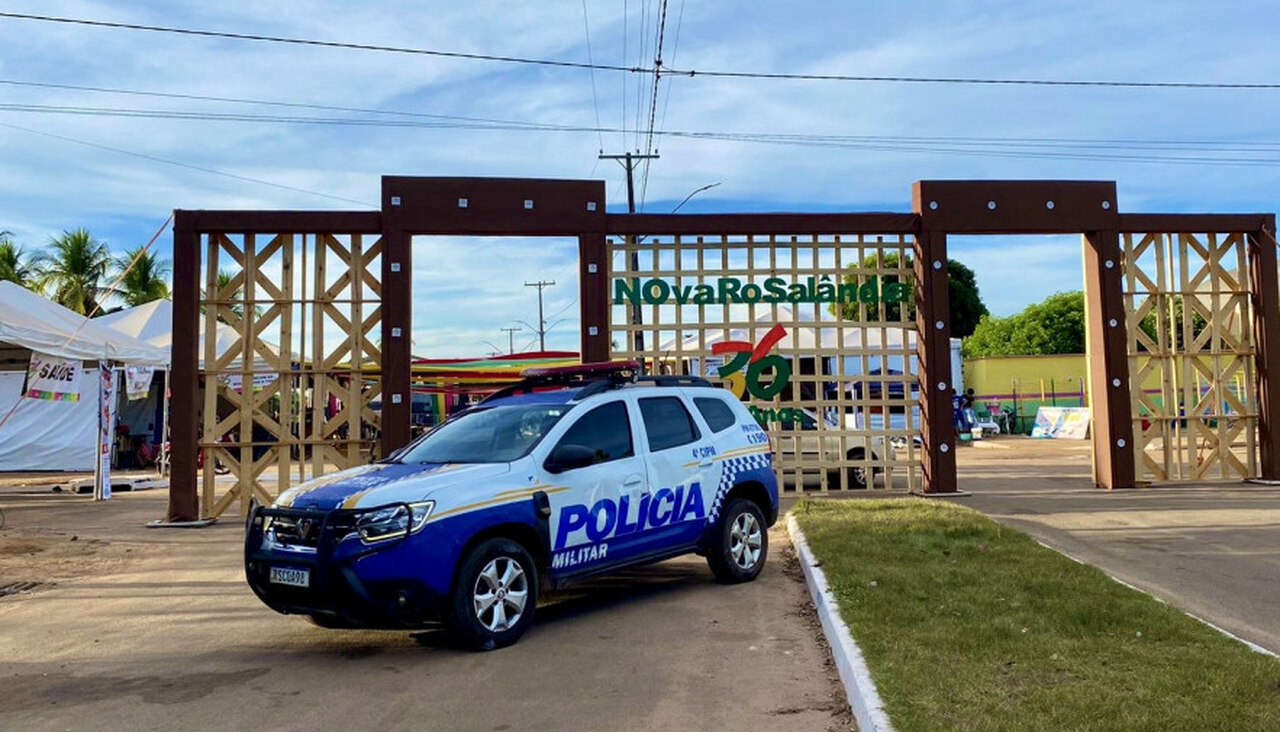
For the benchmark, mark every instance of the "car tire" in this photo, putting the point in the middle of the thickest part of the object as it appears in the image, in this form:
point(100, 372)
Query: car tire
point(496, 580)
point(741, 543)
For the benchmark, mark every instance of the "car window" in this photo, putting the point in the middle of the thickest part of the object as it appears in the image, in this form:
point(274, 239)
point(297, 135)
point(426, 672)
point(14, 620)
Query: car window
point(604, 430)
point(487, 435)
point(667, 423)
point(719, 415)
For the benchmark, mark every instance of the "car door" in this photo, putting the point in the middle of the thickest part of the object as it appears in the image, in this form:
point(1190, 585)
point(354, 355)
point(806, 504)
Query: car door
point(682, 474)
point(593, 522)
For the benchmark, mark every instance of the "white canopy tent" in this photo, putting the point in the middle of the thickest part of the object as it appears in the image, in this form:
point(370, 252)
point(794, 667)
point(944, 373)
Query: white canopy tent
point(153, 323)
point(55, 435)
point(32, 322)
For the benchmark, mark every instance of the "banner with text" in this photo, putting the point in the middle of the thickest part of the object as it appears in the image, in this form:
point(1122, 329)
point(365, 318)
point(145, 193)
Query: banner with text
point(52, 378)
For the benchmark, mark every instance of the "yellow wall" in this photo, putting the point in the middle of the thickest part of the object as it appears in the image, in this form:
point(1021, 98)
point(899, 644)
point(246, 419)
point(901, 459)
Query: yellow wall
point(999, 378)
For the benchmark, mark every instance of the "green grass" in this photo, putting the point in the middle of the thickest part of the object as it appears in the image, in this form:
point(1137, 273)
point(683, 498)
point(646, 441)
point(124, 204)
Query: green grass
point(969, 625)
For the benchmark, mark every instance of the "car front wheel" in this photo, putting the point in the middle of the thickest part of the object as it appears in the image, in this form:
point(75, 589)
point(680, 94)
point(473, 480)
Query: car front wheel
point(494, 595)
point(742, 543)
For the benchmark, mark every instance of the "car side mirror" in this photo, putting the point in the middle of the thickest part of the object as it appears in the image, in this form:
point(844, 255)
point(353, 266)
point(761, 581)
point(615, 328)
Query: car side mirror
point(396, 453)
point(569, 457)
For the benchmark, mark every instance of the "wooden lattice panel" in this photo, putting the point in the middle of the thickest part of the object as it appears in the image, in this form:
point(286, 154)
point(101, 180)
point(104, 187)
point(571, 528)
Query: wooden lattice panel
point(1191, 356)
point(726, 302)
point(291, 398)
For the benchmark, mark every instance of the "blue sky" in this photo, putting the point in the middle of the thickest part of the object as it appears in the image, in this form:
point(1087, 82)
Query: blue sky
point(62, 171)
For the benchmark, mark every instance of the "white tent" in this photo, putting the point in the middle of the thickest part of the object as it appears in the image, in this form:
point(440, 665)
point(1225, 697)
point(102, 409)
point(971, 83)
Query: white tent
point(54, 435)
point(153, 323)
point(30, 321)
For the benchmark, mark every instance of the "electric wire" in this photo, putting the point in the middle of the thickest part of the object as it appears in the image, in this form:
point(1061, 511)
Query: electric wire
point(595, 100)
point(1170, 151)
point(241, 100)
point(211, 171)
point(653, 102)
point(675, 49)
point(669, 71)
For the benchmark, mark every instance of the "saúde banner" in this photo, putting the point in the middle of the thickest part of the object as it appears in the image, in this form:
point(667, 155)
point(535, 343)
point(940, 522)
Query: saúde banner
point(52, 378)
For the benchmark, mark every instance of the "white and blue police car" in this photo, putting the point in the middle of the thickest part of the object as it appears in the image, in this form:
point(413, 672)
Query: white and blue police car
point(568, 474)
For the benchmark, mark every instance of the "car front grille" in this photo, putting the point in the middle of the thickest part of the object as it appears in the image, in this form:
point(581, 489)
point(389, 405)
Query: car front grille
point(308, 530)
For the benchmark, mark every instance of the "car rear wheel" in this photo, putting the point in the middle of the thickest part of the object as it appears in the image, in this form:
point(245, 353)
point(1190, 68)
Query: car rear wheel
point(742, 543)
point(494, 595)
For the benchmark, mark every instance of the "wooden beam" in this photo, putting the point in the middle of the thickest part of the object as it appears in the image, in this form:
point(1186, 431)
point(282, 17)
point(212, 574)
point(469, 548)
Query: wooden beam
point(1264, 292)
point(184, 503)
point(1108, 349)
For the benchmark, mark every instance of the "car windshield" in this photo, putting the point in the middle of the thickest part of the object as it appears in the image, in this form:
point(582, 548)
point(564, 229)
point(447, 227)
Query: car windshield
point(487, 435)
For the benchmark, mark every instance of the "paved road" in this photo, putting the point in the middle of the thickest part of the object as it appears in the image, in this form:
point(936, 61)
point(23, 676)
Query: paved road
point(1211, 549)
point(154, 629)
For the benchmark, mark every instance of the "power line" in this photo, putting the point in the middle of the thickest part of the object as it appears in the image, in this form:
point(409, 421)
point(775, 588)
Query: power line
point(211, 171)
point(595, 100)
point(506, 124)
point(1047, 148)
point(510, 336)
point(653, 100)
point(264, 102)
point(542, 322)
point(669, 71)
point(318, 43)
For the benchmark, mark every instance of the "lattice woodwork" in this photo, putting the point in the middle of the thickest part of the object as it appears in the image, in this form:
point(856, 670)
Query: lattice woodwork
point(305, 311)
point(827, 355)
point(1191, 356)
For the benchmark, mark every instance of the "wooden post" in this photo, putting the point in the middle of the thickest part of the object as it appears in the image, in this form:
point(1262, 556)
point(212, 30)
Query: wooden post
point(1264, 291)
point(397, 315)
point(933, 350)
point(593, 300)
point(1108, 346)
point(184, 502)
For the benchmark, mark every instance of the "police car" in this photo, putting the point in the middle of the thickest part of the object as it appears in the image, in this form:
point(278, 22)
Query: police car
point(568, 474)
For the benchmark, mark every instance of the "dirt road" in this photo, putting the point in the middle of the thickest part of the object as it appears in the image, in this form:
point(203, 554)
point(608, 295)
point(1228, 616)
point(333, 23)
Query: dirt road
point(140, 629)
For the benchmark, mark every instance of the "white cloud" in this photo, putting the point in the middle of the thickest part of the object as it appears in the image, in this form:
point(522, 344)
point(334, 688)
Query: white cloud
point(48, 184)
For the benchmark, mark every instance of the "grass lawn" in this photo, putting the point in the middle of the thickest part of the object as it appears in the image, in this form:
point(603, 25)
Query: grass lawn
point(969, 625)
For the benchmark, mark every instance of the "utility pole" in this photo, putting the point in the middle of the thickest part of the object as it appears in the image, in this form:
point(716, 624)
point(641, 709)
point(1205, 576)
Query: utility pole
point(628, 161)
point(542, 323)
point(511, 344)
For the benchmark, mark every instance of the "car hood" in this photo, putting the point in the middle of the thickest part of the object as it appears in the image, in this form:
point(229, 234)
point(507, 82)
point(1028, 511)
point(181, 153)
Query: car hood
point(382, 483)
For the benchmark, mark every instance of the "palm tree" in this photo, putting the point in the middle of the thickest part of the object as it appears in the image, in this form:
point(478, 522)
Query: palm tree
point(15, 265)
point(73, 270)
point(143, 276)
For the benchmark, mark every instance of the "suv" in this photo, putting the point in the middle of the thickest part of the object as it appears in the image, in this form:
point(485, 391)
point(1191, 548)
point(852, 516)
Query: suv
point(571, 473)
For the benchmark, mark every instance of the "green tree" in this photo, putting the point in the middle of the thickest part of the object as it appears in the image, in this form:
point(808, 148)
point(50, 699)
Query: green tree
point(143, 276)
point(1175, 327)
point(15, 264)
point(1055, 325)
point(963, 298)
point(73, 269)
point(237, 295)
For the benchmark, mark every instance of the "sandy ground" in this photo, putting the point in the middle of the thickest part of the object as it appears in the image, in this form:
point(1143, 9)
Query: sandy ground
point(122, 627)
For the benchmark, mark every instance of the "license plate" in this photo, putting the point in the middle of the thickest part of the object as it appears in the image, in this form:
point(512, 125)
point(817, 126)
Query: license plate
point(290, 576)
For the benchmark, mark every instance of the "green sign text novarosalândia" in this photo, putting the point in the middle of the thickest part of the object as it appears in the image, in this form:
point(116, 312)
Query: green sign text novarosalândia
point(730, 290)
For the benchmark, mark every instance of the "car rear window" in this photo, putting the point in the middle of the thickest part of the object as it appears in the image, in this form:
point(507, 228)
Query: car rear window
point(719, 415)
point(667, 423)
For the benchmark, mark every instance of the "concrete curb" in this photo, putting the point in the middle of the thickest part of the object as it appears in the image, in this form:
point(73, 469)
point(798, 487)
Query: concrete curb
point(868, 709)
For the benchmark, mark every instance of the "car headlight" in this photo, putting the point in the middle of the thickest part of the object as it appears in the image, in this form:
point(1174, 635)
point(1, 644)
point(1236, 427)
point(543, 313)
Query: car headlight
point(391, 522)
